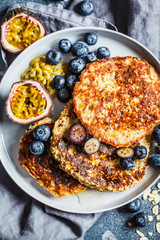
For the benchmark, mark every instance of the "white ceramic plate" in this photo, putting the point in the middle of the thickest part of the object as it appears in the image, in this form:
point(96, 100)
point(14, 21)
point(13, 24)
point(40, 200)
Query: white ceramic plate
point(10, 133)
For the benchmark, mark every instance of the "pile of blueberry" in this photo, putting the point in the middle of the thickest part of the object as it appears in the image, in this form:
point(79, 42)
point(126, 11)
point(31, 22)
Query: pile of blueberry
point(127, 155)
point(41, 134)
point(140, 218)
point(80, 50)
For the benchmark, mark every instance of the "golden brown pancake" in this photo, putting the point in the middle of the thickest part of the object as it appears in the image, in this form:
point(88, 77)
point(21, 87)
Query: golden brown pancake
point(118, 99)
point(44, 168)
point(101, 170)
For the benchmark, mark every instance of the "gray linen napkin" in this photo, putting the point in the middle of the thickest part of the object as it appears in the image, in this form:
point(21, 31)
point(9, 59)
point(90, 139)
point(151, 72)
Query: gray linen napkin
point(24, 218)
point(139, 19)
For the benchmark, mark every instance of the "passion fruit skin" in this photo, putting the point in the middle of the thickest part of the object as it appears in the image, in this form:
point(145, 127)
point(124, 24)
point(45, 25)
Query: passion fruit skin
point(41, 89)
point(19, 12)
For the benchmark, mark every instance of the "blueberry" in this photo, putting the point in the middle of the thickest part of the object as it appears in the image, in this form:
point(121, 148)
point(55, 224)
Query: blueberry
point(76, 65)
point(86, 7)
point(77, 133)
point(91, 57)
point(63, 95)
point(37, 147)
point(80, 49)
point(91, 38)
point(103, 53)
point(42, 133)
point(134, 206)
point(140, 152)
point(154, 160)
point(156, 135)
point(71, 80)
point(65, 45)
point(58, 82)
point(127, 163)
point(157, 149)
point(139, 220)
point(53, 57)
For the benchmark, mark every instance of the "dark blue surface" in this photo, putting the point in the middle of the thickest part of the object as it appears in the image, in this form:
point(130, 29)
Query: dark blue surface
point(112, 225)
point(115, 222)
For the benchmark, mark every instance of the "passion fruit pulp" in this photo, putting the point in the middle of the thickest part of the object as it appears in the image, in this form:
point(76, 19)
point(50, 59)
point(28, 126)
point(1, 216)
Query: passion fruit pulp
point(20, 29)
point(28, 101)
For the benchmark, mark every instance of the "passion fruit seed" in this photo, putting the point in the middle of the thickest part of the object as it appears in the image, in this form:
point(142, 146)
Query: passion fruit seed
point(28, 101)
point(125, 152)
point(25, 37)
point(92, 145)
point(20, 31)
point(77, 133)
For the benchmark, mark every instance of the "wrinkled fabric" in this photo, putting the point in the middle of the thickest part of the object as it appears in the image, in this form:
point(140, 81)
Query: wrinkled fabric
point(144, 24)
point(21, 216)
point(55, 19)
point(137, 18)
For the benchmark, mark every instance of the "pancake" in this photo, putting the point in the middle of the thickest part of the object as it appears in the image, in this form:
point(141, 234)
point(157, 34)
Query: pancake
point(118, 99)
point(44, 168)
point(101, 170)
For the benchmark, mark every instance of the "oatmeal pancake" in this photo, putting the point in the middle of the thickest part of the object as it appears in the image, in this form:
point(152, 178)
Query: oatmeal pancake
point(44, 168)
point(101, 170)
point(118, 99)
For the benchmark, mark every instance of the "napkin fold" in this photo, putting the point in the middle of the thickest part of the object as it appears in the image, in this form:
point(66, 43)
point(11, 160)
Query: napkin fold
point(23, 217)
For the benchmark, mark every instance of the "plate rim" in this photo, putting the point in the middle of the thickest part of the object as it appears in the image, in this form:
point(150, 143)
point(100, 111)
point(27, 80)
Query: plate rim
point(2, 144)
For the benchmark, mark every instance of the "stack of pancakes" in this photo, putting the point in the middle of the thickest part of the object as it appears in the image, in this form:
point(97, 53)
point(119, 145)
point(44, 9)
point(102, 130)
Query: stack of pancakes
point(118, 101)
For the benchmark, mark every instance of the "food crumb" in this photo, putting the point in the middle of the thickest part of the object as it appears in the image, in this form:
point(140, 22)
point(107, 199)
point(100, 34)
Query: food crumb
point(156, 199)
point(158, 185)
point(150, 234)
point(158, 227)
point(146, 193)
point(158, 217)
point(155, 210)
point(150, 218)
point(129, 224)
point(154, 192)
point(139, 233)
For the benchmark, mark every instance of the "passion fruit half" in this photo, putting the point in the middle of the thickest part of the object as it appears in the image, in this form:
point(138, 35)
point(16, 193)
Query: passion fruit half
point(28, 101)
point(20, 28)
